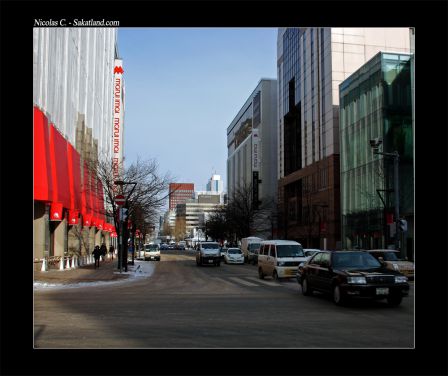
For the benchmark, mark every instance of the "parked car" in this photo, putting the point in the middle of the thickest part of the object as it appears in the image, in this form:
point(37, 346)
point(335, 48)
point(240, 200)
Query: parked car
point(163, 247)
point(279, 258)
point(208, 253)
point(233, 256)
point(390, 258)
point(152, 252)
point(310, 251)
point(349, 274)
point(223, 251)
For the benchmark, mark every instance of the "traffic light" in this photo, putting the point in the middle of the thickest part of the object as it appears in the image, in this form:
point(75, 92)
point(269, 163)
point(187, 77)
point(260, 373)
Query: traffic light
point(403, 225)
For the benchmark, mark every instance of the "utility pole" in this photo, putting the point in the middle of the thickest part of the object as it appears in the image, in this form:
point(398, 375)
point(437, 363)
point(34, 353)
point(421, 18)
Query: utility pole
point(375, 144)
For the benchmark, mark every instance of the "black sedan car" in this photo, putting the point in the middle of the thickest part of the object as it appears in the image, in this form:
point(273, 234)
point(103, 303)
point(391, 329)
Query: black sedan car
point(347, 274)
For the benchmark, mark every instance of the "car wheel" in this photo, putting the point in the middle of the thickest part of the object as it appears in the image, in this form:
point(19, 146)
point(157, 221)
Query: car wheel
point(306, 290)
point(338, 297)
point(275, 275)
point(394, 300)
point(260, 273)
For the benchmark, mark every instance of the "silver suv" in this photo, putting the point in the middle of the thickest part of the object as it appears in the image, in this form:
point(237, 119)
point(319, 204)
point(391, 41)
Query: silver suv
point(208, 253)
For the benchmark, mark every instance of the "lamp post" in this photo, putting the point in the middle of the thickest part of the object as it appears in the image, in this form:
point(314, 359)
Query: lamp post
point(122, 254)
point(375, 144)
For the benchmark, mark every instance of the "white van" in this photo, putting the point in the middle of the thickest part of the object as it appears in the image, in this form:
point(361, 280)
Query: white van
point(152, 252)
point(279, 258)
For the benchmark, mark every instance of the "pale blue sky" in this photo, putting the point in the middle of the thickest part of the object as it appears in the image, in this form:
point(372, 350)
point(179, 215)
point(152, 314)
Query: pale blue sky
point(183, 88)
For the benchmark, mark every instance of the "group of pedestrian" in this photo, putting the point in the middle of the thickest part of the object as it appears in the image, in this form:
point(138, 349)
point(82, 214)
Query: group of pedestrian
point(99, 252)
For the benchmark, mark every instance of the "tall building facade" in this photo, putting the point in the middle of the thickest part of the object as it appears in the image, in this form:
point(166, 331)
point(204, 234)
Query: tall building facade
point(73, 100)
point(376, 103)
point(192, 216)
point(252, 145)
point(179, 193)
point(311, 64)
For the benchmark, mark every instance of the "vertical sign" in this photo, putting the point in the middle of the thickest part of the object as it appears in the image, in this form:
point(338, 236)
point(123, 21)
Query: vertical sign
point(117, 135)
point(255, 167)
point(255, 150)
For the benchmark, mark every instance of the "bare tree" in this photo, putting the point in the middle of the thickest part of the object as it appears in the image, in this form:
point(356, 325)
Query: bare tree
point(180, 228)
point(244, 217)
point(217, 225)
point(148, 194)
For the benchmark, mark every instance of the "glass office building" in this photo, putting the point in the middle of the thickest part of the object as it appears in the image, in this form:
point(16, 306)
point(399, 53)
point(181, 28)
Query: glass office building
point(376, 102)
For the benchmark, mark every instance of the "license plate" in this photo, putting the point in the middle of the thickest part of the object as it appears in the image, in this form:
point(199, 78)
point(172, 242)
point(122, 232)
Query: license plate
point(210, 261)
point(382, 291)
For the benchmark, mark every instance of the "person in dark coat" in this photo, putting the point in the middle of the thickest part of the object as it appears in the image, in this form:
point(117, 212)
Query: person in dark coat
point(103, 250)
point(97, 254)
point(111, 251)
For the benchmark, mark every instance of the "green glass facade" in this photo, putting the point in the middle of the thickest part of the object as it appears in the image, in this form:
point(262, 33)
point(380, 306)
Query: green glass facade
point(375, 102)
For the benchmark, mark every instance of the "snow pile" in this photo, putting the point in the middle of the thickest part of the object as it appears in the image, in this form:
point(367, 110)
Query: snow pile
point(140, 269)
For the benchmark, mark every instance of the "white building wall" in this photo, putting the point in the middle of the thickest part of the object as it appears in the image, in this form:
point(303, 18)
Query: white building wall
point(73, 73)
point(239, 162)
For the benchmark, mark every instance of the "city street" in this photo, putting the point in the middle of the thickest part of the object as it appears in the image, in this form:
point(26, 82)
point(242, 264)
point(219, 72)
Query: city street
point(182, 305)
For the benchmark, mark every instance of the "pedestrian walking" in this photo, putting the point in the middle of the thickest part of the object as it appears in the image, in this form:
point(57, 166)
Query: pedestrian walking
point(111, 251)
point(97, 254)
point(103, 250)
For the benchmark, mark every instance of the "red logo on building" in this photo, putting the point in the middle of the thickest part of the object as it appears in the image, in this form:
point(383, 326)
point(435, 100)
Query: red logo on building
point(118, 70)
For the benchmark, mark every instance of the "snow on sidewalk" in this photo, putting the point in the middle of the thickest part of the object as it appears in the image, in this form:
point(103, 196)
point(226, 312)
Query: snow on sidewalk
point(140, 269)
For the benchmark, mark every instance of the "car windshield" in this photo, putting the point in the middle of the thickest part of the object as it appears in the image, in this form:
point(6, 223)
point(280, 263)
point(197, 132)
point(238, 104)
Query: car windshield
point(151, 247)
point(290, 250)
point(210, 245)
point(234, 251)
point(254, 246)
point(387, 256)
point(354, 260)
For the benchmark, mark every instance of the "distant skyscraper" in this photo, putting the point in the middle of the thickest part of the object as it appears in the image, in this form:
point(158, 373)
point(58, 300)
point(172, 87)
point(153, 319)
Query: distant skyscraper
point(179, 193)
point(215, 184)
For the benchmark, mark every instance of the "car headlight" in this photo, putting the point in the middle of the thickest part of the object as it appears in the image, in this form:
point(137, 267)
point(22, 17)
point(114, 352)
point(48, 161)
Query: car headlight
point(357, 280)
point(401, 279)
point(280, 263)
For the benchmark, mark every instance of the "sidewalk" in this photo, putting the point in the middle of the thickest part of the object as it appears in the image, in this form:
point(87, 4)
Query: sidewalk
point(108, 271)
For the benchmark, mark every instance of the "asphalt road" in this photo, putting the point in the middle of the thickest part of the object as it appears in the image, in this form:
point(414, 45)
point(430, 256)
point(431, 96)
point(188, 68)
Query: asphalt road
point(185, 306)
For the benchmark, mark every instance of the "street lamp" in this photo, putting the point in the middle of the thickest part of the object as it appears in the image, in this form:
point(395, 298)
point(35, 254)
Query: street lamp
point(122, 257)
point(375, 144)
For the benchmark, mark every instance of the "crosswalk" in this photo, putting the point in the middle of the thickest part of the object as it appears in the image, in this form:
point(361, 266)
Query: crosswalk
point(250, 281)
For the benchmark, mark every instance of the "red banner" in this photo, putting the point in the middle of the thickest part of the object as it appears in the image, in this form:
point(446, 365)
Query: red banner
point(87, 220)
point(73, 217)
point(43, 178)
point(56, 211)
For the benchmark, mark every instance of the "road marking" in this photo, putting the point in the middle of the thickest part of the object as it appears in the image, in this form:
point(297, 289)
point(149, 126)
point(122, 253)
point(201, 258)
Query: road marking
point(242, 281)
point(223, 280)
point(269, 283)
